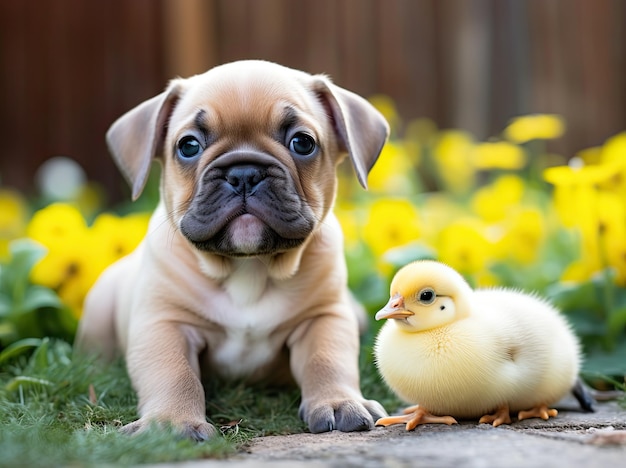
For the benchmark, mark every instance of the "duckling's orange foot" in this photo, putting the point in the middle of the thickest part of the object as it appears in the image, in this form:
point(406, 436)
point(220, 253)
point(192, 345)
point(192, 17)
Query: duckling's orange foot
point(541, 411)
point(501, 416)
point(414, 416)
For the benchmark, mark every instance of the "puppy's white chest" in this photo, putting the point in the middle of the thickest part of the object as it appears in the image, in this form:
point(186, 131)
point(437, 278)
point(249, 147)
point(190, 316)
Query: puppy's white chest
point(247, 285)
point(243, 352)
point(252, 309)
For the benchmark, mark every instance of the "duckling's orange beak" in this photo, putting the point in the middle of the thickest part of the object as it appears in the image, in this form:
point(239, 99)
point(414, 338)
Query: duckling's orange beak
point(394, 309)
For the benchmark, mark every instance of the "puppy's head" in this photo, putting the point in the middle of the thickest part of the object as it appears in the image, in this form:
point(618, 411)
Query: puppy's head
point(249, 151)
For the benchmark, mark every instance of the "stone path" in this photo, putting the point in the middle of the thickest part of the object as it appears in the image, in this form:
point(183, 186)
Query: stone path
point(571, 440)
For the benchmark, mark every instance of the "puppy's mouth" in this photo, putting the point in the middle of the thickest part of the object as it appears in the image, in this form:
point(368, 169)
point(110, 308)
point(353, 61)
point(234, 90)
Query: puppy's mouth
point(247, 210)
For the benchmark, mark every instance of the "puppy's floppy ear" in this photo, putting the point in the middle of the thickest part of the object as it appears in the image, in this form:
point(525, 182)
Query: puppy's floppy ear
point(361, 129)
point(137, 137)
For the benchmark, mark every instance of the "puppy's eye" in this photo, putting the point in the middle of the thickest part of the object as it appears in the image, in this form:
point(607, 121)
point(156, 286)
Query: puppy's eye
point(302, 144)
point(427, 296)
point(189, 147)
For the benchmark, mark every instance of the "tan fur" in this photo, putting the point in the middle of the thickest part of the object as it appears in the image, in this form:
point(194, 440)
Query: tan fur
point(180, 313)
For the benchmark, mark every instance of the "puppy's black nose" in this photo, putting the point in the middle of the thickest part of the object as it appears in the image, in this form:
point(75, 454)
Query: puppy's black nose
point(244, 179)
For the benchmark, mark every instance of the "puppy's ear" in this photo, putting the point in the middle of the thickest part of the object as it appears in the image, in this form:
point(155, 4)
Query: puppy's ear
point(361, 129)
point(137, 137)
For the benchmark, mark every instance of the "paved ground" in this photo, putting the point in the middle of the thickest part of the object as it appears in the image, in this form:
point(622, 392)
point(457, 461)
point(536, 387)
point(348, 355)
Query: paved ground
point(571, 440)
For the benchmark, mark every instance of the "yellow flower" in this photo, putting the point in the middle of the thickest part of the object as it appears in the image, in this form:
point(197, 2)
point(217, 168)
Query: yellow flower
point(493, 202)
point(591, 155)
point(614, 149)
point(12, 219)
point(612, 232)
point(347, 215)
point(579, 271)
point(118, 236)
point(69, 266)
point(599, 218)
point(391, 223)
point(524, 235)
point(77, 255)
point(452, 154)
point(436, 212)
point(498, 155)
point(485, 279)
point(613, 155)
point(464, 246)
point(70, 270)
point(611, 211)
point(578, 175)
point(393, 173)
point(56, 223)
point(578, 209)
point(563, 200)
point(535, 127)
point(575, 193)
point(12, 210)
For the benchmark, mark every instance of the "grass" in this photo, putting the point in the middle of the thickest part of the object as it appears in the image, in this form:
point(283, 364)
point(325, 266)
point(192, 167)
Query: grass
point(48, 417)
point(60, 409)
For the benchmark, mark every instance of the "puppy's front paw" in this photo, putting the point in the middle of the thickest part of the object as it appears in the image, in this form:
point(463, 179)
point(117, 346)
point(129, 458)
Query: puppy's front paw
point(195, 430)
point(344, 415)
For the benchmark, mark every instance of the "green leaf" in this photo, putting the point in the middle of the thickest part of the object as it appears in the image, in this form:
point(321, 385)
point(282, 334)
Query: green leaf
point(400, 256)
point(40, 360)
point(26, 381)
point(8, 332)
point(617, 321)
point(5, 305)
point(574, 297)
point(62, 352)
point(619, 297)
point(58, 323)
point(25, 254)
point(38, 297)
point(586, 324)
point(18, 348)
point(372, 292)
point(611, 363)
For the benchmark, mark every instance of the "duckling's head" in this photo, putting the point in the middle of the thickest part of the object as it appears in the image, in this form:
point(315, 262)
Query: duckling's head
point(426, 295)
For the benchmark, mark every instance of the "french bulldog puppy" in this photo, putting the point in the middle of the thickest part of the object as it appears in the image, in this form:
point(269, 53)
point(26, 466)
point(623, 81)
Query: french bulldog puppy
point(242, 273)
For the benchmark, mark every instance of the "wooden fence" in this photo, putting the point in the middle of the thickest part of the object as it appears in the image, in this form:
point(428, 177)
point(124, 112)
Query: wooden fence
point(70, 67)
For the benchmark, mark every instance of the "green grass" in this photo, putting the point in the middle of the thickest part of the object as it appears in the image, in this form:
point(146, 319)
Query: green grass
point(48, 418)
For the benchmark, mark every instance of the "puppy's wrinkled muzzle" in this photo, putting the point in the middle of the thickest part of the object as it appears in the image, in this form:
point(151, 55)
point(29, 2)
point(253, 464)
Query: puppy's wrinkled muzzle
point(247, 204)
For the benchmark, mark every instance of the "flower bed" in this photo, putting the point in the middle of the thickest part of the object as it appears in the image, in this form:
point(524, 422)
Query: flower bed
point(503, 212)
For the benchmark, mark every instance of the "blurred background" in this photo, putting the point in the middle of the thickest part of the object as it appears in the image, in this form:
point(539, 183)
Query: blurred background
point(507, 158)
point(71, 67)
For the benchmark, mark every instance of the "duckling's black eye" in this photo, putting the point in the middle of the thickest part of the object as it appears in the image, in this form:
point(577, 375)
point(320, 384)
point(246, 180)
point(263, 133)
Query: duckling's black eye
point(302, 144)
point(427, 296)
point(189, 147)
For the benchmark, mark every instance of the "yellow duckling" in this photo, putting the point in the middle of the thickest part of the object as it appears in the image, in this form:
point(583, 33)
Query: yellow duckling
point(458, 352)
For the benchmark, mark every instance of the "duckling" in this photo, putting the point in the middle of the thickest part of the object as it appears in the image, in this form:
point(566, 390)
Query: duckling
point(463, 353)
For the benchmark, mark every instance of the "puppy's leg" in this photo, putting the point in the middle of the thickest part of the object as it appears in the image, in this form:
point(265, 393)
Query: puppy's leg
point(324, 362)
point(162, 363)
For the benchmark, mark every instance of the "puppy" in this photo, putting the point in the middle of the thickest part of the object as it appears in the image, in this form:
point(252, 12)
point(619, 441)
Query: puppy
point(242, 272)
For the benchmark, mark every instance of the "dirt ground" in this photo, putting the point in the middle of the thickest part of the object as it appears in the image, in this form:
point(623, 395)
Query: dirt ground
point(572, 439)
